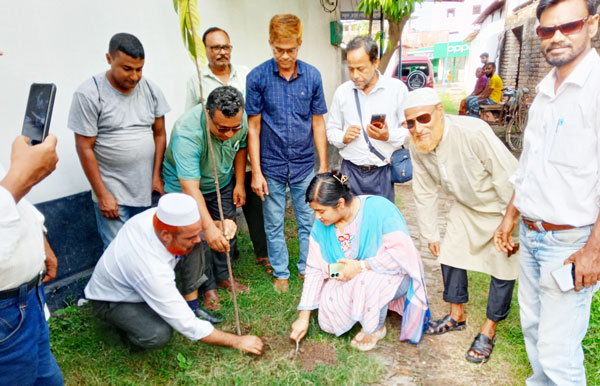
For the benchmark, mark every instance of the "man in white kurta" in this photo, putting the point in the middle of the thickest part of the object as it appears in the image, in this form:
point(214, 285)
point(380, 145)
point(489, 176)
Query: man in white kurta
point(133, 284)
point(462, 156)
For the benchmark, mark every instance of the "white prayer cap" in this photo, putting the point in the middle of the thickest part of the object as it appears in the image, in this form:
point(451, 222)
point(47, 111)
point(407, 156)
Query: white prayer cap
point(177, 209)
point(425, 96)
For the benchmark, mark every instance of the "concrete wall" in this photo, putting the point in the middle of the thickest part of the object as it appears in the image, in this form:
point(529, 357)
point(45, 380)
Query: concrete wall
point(64, 42)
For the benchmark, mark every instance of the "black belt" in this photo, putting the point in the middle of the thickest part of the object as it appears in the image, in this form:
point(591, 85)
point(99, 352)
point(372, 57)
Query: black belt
point(13, 293)
point(366, 168)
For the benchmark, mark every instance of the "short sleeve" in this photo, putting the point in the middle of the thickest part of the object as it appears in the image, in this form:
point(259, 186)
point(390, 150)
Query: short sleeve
point(254, 93)
point(161, 106)
point(186, 154)
point(83, 114)
point(318, 105)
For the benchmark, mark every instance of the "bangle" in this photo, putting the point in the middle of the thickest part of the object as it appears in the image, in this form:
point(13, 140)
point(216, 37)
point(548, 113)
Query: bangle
point(363, 266)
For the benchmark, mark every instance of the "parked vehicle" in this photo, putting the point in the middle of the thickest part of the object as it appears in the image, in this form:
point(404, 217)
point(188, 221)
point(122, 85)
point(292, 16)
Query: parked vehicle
point(417, 72)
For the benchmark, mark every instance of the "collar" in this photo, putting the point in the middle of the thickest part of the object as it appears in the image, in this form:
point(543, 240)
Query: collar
point(299, 67)
point(207, 72)
point(380, 83)
point(578, 77)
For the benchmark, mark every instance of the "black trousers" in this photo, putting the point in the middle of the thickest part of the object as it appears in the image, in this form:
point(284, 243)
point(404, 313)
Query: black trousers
point(376, 181)
point(216, 262)
point(456, 290)
point(254, 218)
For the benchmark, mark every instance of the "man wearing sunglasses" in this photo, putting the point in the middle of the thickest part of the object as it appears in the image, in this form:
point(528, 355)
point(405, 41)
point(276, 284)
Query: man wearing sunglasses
point(557, 193)
point(188, 168)
point(462, 155)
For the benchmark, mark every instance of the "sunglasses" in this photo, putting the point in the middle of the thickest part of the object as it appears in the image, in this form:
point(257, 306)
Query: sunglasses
point(226, 129)
point(569, 28)
point(422, 119)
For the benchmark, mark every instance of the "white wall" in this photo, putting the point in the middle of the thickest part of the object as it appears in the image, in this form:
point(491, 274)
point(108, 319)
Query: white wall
point(65, 41)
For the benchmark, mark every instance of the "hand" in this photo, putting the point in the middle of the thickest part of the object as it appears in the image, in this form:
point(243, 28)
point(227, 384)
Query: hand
point(215, 239)
point(239, 195)
point(587, 266)
point(230, 228)
point(249, 343)
point(351, 134)
point(503, 236)
point(51, 262)
point(29, 165)
point(351, 269)
point(434, 248)
point(259, 185)
point(299, 329)
point(158, 184)
point(109, 207)
point(382, 134)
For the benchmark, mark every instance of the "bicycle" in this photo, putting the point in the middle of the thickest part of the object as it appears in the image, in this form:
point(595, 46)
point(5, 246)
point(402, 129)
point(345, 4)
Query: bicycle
point(516, 119)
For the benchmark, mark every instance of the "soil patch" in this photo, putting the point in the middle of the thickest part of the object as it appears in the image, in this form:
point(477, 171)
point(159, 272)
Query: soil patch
point(316, 352)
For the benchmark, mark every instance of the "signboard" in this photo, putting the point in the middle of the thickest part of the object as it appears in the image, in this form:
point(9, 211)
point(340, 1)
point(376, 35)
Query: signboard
point(358, 15)
point(451, 50)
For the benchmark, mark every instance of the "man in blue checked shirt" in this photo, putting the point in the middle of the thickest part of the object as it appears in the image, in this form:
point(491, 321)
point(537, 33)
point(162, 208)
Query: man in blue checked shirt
point(285, 106)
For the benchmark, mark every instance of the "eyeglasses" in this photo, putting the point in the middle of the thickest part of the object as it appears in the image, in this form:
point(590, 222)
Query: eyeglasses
point(569, 28)
point(217, 49)
point(280, 51)
point(226, 129)
point(422, 119)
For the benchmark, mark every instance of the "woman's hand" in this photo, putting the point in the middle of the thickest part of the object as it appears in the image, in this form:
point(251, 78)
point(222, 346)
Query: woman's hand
point(351, 269)
point(299, 329)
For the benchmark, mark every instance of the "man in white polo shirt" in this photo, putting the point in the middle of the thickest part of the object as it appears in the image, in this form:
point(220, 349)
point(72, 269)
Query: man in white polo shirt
point(557, 193)
point(133, 284)
point(366, 146)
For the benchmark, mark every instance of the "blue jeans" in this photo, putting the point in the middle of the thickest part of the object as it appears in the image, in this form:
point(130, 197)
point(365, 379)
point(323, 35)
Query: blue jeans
point(25, 356)
point(554, 322)
point(274, 214)
point(472, 104)
point(108, 227)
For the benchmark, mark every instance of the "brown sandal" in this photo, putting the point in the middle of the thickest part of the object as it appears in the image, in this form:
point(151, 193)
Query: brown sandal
point(264, 262)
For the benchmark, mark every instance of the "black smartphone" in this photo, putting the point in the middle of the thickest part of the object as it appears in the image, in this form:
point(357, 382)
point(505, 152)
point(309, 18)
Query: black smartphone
point(378, 120)
point(39, 111)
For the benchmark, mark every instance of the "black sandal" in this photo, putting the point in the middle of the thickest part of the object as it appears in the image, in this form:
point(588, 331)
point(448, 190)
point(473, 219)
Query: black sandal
point(444, 325)
point(482, 345)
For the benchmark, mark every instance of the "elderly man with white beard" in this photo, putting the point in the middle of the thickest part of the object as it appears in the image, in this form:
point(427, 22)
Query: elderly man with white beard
point(462, 156)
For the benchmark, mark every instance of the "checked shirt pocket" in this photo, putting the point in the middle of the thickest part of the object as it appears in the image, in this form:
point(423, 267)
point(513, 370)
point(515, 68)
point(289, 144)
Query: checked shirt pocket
point(11, 318)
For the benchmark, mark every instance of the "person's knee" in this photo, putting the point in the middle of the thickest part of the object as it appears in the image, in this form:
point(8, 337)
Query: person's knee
point(156, 336)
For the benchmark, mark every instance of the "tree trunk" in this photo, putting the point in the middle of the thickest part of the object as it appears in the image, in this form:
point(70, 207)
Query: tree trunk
point(370, 24)
point(394, 36)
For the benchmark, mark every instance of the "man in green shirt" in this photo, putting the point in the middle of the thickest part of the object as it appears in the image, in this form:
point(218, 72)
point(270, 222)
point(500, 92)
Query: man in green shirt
point(187, 168)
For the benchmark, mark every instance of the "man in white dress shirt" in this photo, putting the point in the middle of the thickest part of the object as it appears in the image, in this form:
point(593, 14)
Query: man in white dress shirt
point(133, 284)
point(347, 129)
point(557, 193)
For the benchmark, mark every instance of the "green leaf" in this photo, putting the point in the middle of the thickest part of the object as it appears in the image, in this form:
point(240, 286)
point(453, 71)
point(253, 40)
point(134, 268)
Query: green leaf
point(189, 27)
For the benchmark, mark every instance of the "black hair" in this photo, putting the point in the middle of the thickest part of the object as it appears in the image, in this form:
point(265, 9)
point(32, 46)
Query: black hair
point(591, 5)
point(229, 100)
point(211, 30)
point(127, 44)
point(327, 188)
point(368, 43)
point(485, 54)
point(490, 64)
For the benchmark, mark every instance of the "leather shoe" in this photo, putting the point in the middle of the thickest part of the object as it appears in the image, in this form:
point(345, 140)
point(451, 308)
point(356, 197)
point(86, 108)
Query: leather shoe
point(211, 300)
point(281, 285)
point(213, 317)
point(226, 285)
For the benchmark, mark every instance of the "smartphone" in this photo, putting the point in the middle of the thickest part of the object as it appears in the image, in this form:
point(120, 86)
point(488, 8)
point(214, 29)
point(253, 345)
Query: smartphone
point(39, 111)
point(378, 120)
point(335, 269)
point(565, 277)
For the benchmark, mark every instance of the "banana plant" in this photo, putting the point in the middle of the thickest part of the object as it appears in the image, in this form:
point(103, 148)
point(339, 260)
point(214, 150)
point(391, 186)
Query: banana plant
point(189, 19)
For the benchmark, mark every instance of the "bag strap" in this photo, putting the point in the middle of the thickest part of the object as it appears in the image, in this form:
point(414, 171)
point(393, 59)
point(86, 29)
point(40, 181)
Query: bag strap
point(99, 98)
point(371, 147)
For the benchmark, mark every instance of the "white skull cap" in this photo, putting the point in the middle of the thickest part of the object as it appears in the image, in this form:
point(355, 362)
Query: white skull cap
point(177, 209)
point(425, 96)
